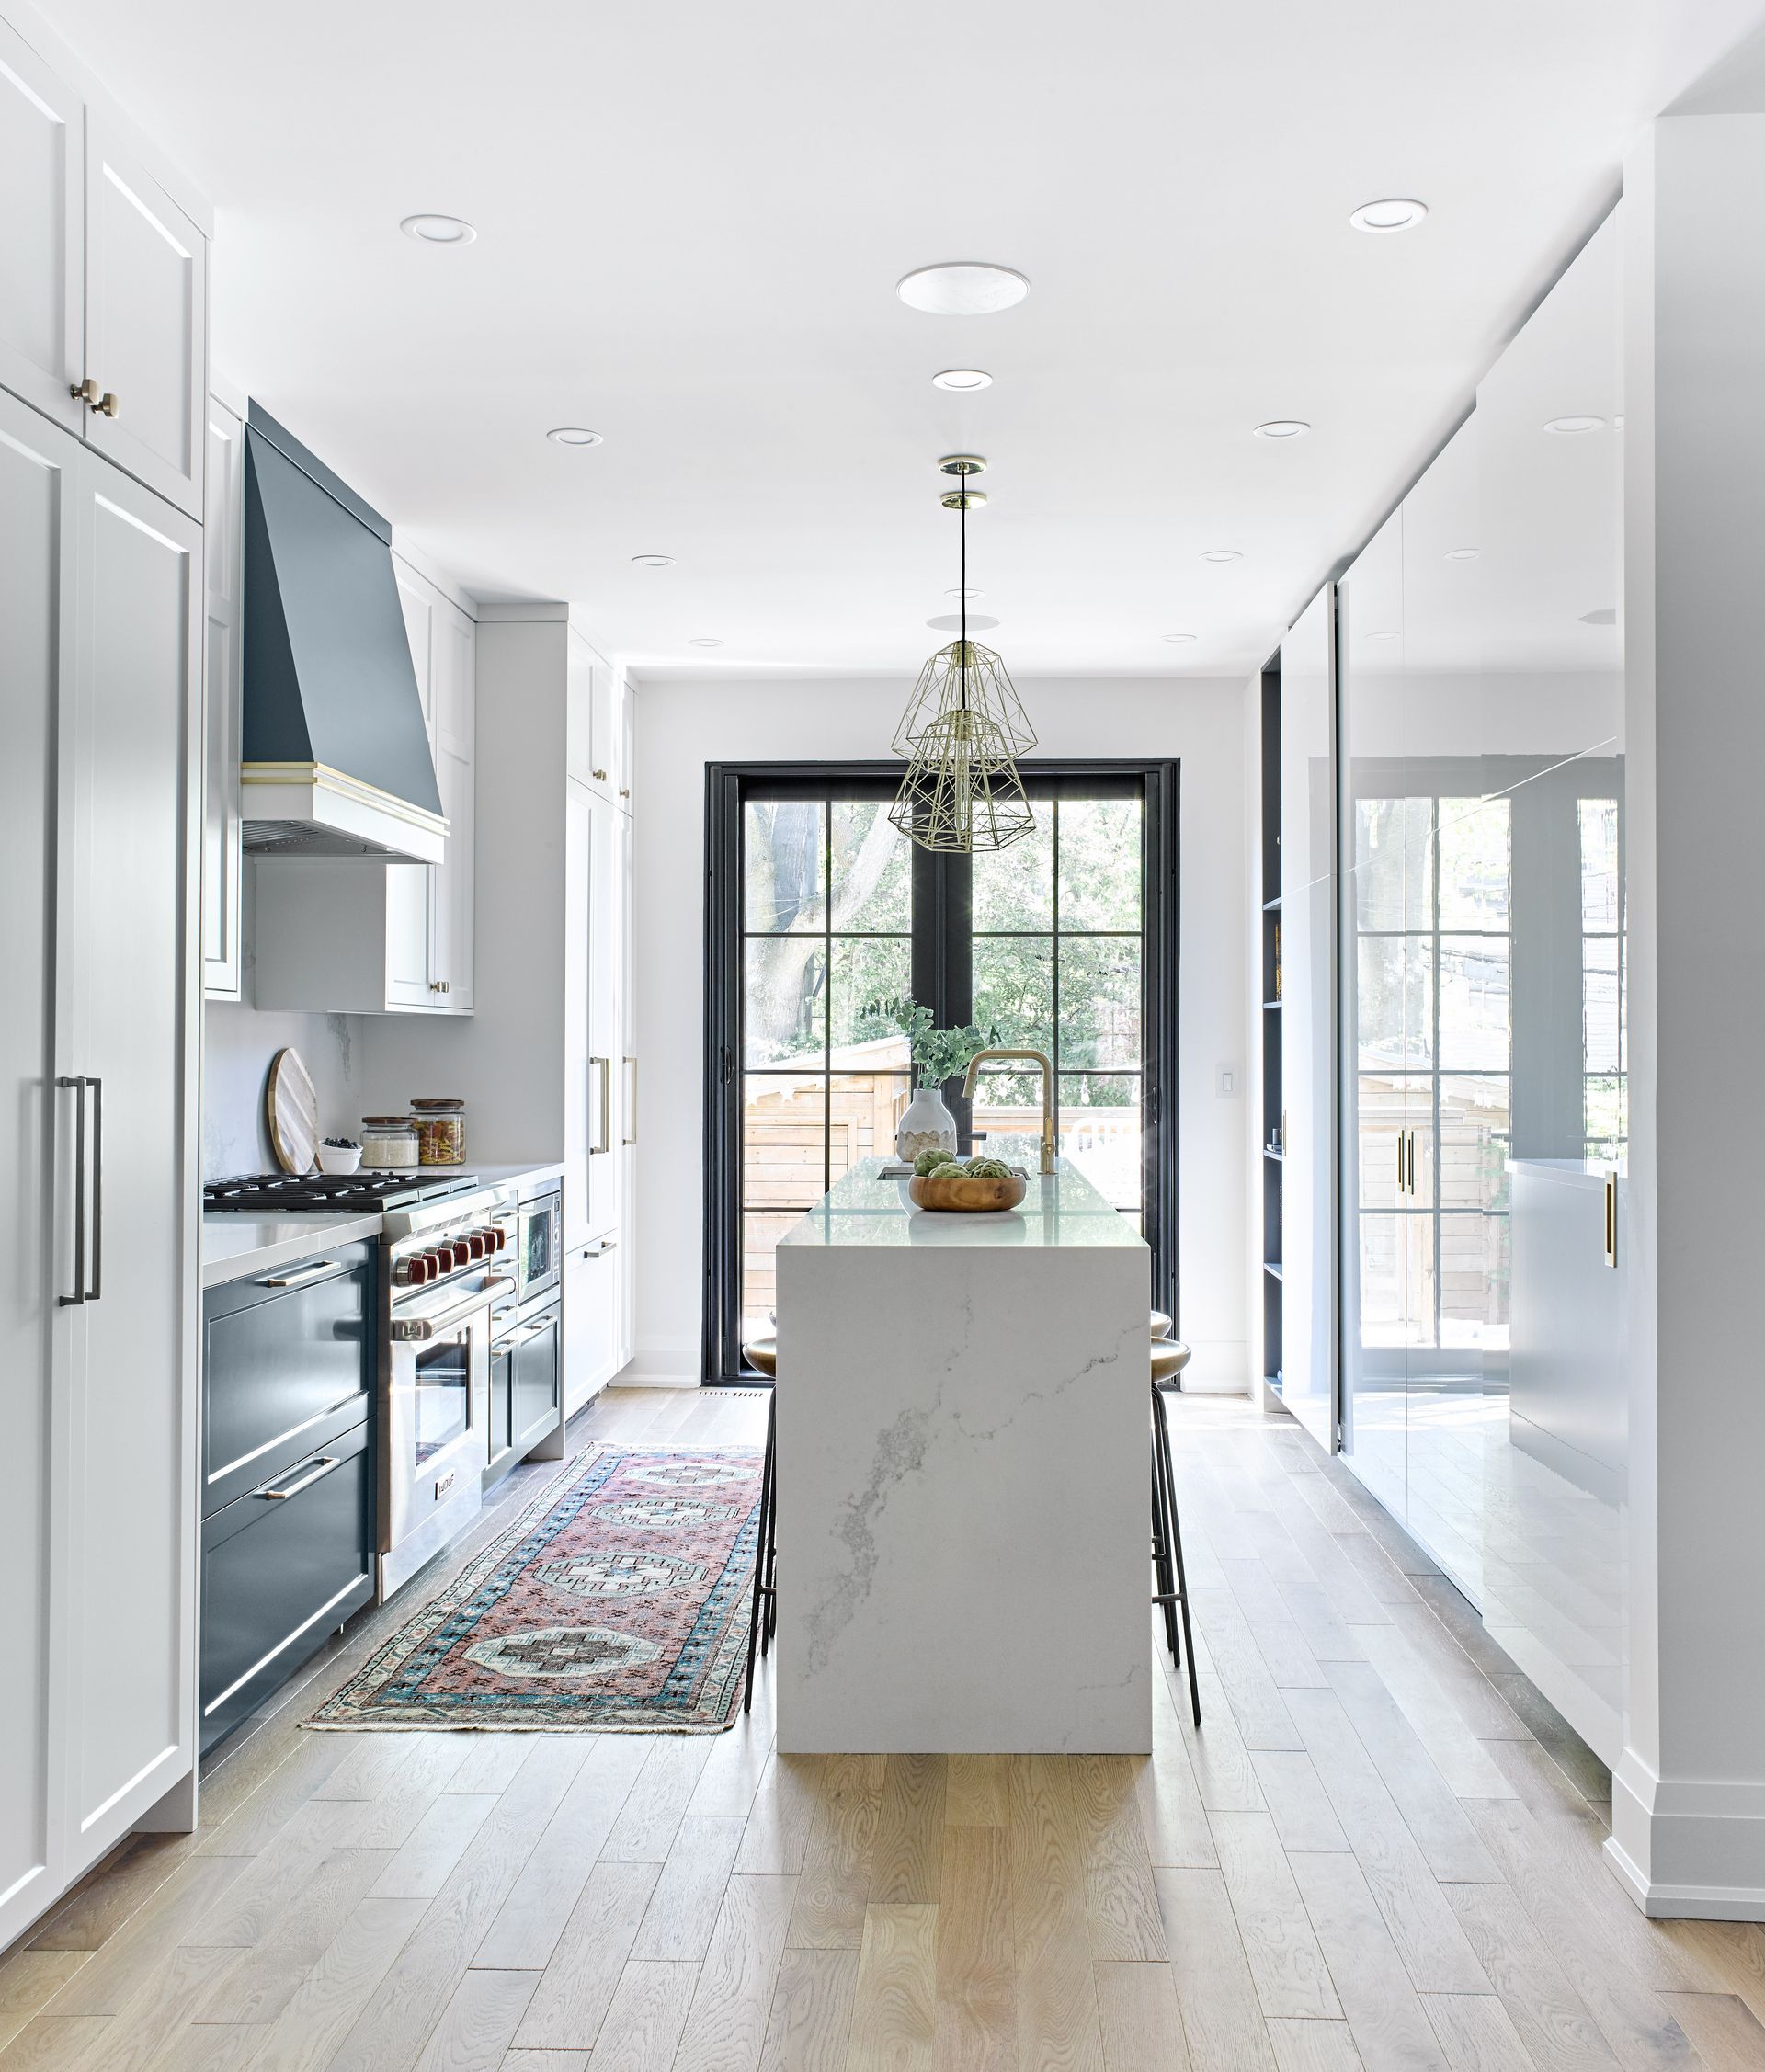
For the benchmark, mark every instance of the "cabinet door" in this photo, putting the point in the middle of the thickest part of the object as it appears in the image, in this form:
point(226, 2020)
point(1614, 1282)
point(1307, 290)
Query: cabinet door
point(43, 178)
point(627, 743)
point(409, 965)
point(604, 1030)
point(38, 502)
point(590, 1319)
point(452, 742)
point(223, 491)
point(128, 926)
point(579, 709)
point(628, 1098)
point(604, 775)
point(146, 322)
point(578, 1068)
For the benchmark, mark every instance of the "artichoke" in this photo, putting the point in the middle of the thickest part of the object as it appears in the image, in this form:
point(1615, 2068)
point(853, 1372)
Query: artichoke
point(951, 1169)
point(928, 1162)
point(988, 1169)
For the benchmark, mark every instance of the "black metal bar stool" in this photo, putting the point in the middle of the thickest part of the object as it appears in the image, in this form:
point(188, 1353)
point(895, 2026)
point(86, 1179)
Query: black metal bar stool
point(762, 1354)
point(1170, 1357)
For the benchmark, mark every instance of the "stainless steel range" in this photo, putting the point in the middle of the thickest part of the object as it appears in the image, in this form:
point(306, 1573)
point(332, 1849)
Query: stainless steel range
point(445, 1267)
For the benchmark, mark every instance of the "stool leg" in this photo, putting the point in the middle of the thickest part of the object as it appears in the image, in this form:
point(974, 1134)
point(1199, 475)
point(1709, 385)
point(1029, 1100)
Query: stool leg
point(762, 1526)
point(1161, 1568)
point(1177, 1554)
point(769, 1549)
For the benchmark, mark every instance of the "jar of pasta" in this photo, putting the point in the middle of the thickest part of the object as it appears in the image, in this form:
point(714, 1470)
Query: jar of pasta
point(440, 1132)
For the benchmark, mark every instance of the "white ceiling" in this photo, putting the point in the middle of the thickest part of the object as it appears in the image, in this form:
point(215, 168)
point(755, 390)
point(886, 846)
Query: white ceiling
point(691, 218)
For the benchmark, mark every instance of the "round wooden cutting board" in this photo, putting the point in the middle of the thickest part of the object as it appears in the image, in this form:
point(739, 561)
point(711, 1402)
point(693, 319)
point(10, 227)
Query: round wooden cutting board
point(291, 1105)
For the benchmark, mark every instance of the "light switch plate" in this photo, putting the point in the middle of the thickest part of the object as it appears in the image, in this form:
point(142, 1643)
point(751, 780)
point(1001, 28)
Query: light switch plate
point(1228, 1082)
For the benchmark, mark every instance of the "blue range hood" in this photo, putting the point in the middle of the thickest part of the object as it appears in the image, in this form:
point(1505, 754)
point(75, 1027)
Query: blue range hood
point(335, 756)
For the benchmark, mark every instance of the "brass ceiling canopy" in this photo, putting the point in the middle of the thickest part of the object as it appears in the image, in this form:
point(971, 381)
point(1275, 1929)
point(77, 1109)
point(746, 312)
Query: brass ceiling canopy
point(963, 729)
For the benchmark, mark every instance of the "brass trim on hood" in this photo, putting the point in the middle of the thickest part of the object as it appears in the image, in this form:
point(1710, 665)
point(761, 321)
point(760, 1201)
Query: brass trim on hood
point(322, 777)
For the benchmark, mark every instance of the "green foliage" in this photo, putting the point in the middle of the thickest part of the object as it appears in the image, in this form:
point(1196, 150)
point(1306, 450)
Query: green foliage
point(938, 1054)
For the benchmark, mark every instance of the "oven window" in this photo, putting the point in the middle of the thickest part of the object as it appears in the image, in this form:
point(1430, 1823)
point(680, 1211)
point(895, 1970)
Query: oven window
point(443, 1396)
point(538, 1263)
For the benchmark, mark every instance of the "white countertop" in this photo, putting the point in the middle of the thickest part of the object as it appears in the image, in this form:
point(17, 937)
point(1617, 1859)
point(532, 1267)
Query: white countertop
point(237, 1246)
point(1061, 1211)
point(234, 1247)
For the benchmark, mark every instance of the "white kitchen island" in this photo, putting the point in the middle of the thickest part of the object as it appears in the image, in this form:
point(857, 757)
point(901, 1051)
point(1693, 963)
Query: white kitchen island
point(963, 1474)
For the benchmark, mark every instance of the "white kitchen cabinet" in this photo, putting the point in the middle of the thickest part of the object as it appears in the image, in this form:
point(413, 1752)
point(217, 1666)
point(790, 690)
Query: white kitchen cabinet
point(223, 863)
point(627, 716)
point(592, 1051)
point(594, 722)
point(591, 1311)
point(42, 232)
point(350, 936)
point(100, 650)
point(628, 1098)
point(147, 320)
point(103, 282)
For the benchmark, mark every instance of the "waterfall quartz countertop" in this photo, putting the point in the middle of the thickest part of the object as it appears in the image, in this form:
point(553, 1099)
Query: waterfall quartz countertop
point(233, 1247)
point(963, 1476)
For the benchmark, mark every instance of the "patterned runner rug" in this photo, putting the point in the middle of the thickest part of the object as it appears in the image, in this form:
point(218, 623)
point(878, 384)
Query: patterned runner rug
point(617, 1601)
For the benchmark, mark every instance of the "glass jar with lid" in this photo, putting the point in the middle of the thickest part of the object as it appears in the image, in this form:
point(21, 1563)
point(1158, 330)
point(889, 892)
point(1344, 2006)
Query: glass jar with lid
point(388, 1142)
point(441, 1131)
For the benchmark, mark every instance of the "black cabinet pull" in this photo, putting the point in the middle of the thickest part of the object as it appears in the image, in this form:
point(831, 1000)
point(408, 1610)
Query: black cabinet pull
point(85, 1218)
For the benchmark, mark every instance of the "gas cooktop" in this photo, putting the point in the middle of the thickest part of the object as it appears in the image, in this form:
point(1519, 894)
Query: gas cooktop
point(295, 1194)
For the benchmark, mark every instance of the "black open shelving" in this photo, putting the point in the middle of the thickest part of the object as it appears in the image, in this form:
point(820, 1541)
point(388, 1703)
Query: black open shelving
point(1273, 1128)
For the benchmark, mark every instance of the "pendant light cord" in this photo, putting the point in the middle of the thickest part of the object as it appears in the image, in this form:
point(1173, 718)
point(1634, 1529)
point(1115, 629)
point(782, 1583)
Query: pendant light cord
point(962, 513)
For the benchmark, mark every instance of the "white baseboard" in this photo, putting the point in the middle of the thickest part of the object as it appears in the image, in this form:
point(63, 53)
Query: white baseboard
point(663, 1363)
point(1711, 1827)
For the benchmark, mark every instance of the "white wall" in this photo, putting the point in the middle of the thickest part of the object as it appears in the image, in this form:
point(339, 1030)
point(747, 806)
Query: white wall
point(238, 1044)
point(684, 725)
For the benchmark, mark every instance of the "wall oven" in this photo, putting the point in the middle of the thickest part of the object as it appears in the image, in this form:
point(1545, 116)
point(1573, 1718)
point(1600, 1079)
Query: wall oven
point(446, 1270)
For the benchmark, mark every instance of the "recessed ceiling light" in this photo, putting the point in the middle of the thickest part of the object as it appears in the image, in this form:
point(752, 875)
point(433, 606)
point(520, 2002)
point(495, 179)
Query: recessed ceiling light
point(1396, 212)
point(1573, 425)
point(1282, 427)
point(654, 560)
point(1176, 637)
point(962, 288)
point(961, 379)
point(1460, 553)
point(951, 622)
point(439, 230)
point(572, 435)
point(1221, 554)
point(1607, 615)
point(703, 642)
point(959, 593)
point(1387, 633)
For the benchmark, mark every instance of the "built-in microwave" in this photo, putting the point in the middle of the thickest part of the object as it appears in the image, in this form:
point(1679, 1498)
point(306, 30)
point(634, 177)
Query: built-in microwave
point(539, 1245)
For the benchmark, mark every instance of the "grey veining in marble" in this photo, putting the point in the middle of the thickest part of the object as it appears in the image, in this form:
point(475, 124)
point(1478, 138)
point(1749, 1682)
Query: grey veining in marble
point(964, 1477)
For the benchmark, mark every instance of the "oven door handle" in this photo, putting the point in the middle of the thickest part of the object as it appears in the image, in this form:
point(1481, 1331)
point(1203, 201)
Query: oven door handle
point(407, 1328)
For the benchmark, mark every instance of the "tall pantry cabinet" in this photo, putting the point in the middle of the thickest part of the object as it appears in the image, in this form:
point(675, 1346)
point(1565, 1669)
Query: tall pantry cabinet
point(100, 671)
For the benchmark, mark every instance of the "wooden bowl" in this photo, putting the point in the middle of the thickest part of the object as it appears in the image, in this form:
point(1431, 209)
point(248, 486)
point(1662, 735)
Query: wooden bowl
point(967, 1197)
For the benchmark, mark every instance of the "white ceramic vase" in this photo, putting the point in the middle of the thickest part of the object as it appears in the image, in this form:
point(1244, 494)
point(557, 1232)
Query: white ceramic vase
point(927, 1125)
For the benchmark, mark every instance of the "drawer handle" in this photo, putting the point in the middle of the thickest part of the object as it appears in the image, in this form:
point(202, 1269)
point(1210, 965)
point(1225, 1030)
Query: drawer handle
point(304, 1277)
point(320, 1467)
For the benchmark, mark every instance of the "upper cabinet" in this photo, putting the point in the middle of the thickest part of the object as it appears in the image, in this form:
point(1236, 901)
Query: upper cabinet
point(103, 283)
point(599, 725)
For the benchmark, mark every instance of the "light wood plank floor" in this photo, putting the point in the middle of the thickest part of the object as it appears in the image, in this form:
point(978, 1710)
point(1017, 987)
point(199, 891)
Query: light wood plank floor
point(1381, 1851)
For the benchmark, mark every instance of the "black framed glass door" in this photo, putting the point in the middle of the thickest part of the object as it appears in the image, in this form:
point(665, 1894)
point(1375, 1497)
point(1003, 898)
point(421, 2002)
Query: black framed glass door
point(819, 912)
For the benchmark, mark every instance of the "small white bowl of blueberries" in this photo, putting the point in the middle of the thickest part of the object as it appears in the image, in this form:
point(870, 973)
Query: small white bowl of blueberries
point(339, 1155)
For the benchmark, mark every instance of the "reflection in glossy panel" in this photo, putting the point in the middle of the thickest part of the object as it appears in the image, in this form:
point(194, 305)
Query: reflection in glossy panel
point(785, 864)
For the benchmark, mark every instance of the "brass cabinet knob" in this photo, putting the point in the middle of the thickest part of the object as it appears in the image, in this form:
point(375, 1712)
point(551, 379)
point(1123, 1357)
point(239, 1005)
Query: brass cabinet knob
point(107, 406)
point(624, 791)
point(437, 986)
point(599, 776)
point(85, 392)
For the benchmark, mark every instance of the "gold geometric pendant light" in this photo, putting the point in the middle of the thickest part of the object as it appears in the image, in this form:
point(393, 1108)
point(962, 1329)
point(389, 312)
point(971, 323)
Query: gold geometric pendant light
point(963, 729)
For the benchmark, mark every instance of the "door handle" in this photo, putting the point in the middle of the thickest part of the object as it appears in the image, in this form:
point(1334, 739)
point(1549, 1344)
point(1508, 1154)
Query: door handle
point(630, 1105)
point(88, 1221)
point(322, 1466)
point(605, 1067)
point(1401, 1187)
point(407, 1328)
point(1611, 1220)
point(304, 1277)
